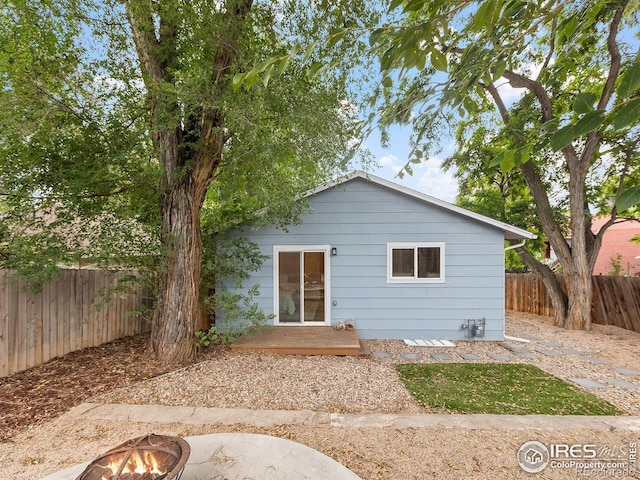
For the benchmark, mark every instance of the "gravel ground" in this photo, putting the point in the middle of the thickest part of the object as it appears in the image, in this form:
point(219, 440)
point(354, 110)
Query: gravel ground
point(365, 385)
point(349, 385)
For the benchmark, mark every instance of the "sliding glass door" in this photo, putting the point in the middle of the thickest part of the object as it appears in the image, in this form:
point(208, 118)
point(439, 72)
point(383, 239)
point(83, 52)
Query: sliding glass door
point(301, 279)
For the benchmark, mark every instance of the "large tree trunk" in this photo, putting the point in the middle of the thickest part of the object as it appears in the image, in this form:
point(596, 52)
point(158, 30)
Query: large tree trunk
point(189, 149)
point(172, 333)
point(554, 289)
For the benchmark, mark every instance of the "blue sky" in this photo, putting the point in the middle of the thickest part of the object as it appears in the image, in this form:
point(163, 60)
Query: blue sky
point(428, 177)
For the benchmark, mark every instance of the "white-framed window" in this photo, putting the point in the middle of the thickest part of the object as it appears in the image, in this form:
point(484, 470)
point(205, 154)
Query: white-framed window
point(415, 262)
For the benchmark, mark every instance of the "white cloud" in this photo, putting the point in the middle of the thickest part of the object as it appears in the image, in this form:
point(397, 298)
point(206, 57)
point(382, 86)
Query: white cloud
point(391, 161)
point(435, 182)
point(388, 160)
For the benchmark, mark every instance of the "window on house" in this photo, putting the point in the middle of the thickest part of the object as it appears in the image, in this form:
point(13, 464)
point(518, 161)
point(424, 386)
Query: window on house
point(415, 262)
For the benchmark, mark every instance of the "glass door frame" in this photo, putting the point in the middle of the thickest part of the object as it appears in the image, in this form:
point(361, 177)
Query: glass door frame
point(302, 249)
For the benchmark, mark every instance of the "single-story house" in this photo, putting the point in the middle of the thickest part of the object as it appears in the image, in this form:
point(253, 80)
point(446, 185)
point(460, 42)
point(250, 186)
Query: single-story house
point(394, 262)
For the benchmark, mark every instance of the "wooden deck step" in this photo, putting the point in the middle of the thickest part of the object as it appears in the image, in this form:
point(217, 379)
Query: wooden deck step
point(300, 340)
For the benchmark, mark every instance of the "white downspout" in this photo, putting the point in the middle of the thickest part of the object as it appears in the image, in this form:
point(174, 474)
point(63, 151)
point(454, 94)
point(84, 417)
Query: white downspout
point(504, 332)
point(511, 247)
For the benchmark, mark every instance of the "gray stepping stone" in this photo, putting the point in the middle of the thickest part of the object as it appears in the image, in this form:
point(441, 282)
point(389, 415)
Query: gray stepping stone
point(626, 371)
point(551, 344)
point(381, 355)
point(470, 356)
point(441, 356)
point(570, 351)
point(500, 357)
point(410, 356)
point(514, 347)
point(528, 355)
point(586, 383)
point(549, 353)
point(621, 383)
point(596, 361)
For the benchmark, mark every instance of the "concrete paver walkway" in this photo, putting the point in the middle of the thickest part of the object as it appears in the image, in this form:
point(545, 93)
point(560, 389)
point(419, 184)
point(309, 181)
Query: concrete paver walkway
point(265, 418)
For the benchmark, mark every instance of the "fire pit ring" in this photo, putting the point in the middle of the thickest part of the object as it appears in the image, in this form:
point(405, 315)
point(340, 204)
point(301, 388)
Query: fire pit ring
point(150, 457)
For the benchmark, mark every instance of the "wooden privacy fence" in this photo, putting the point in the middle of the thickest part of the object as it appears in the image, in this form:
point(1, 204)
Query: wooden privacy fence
point(36, 327)
point(616, 300)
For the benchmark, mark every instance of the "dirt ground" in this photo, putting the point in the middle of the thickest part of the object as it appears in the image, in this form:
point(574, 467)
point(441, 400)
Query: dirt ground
point(42, 393)
point(37, 441)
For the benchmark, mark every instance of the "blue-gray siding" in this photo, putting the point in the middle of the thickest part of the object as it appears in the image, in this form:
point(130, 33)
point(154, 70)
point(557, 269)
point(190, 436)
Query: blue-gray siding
point(359, 218)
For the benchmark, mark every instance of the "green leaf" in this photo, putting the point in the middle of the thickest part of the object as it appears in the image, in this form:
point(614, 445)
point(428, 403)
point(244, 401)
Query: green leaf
point(583, 103)
point(629, 82)
point(552, 124)
point(484, 15)
point(628, 114)
point(238, 80)
point(395, 4)
point(584, 125)
point(628, 198)
point(421, 61)
point(438, 60)
point(335, 36)
point(413, 6)
point(267, 75)
point(498, 69)
point(387, 82)
point(497, 160)
point(570, 27)
point(251, 79)
point(309, 51)
point(507, 161)
point(284, 63)
point(588, 122)
point(522, 154)
point(375, 36)
point(562, 138)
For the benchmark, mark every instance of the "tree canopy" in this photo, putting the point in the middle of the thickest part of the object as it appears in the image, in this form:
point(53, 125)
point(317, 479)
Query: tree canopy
point(572, 134)
point(119, 123)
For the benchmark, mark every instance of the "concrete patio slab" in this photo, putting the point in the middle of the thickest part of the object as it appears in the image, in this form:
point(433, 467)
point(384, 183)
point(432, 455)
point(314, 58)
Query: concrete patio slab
point(571, 351)
point(381, 355)
point(626, 371)
point(500, 357)
point(596, 361)
point(549, 353)
point(587, 383)
point(525, 355)
point(551, 344)
point(513, 347)
point(238, 456)
point(412, 357)
point(621, 383)
point(470, 356)
point(441, 356)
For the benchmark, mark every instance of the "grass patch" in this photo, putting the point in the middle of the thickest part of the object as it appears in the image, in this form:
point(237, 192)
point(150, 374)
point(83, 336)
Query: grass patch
point(516, 389)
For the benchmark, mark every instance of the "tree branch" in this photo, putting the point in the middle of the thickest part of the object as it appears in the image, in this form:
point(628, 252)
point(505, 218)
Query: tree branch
point(593, 138)
point(552, 46)
point(534, 182)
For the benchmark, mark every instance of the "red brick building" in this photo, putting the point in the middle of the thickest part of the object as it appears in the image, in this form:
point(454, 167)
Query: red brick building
point(616, 248)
